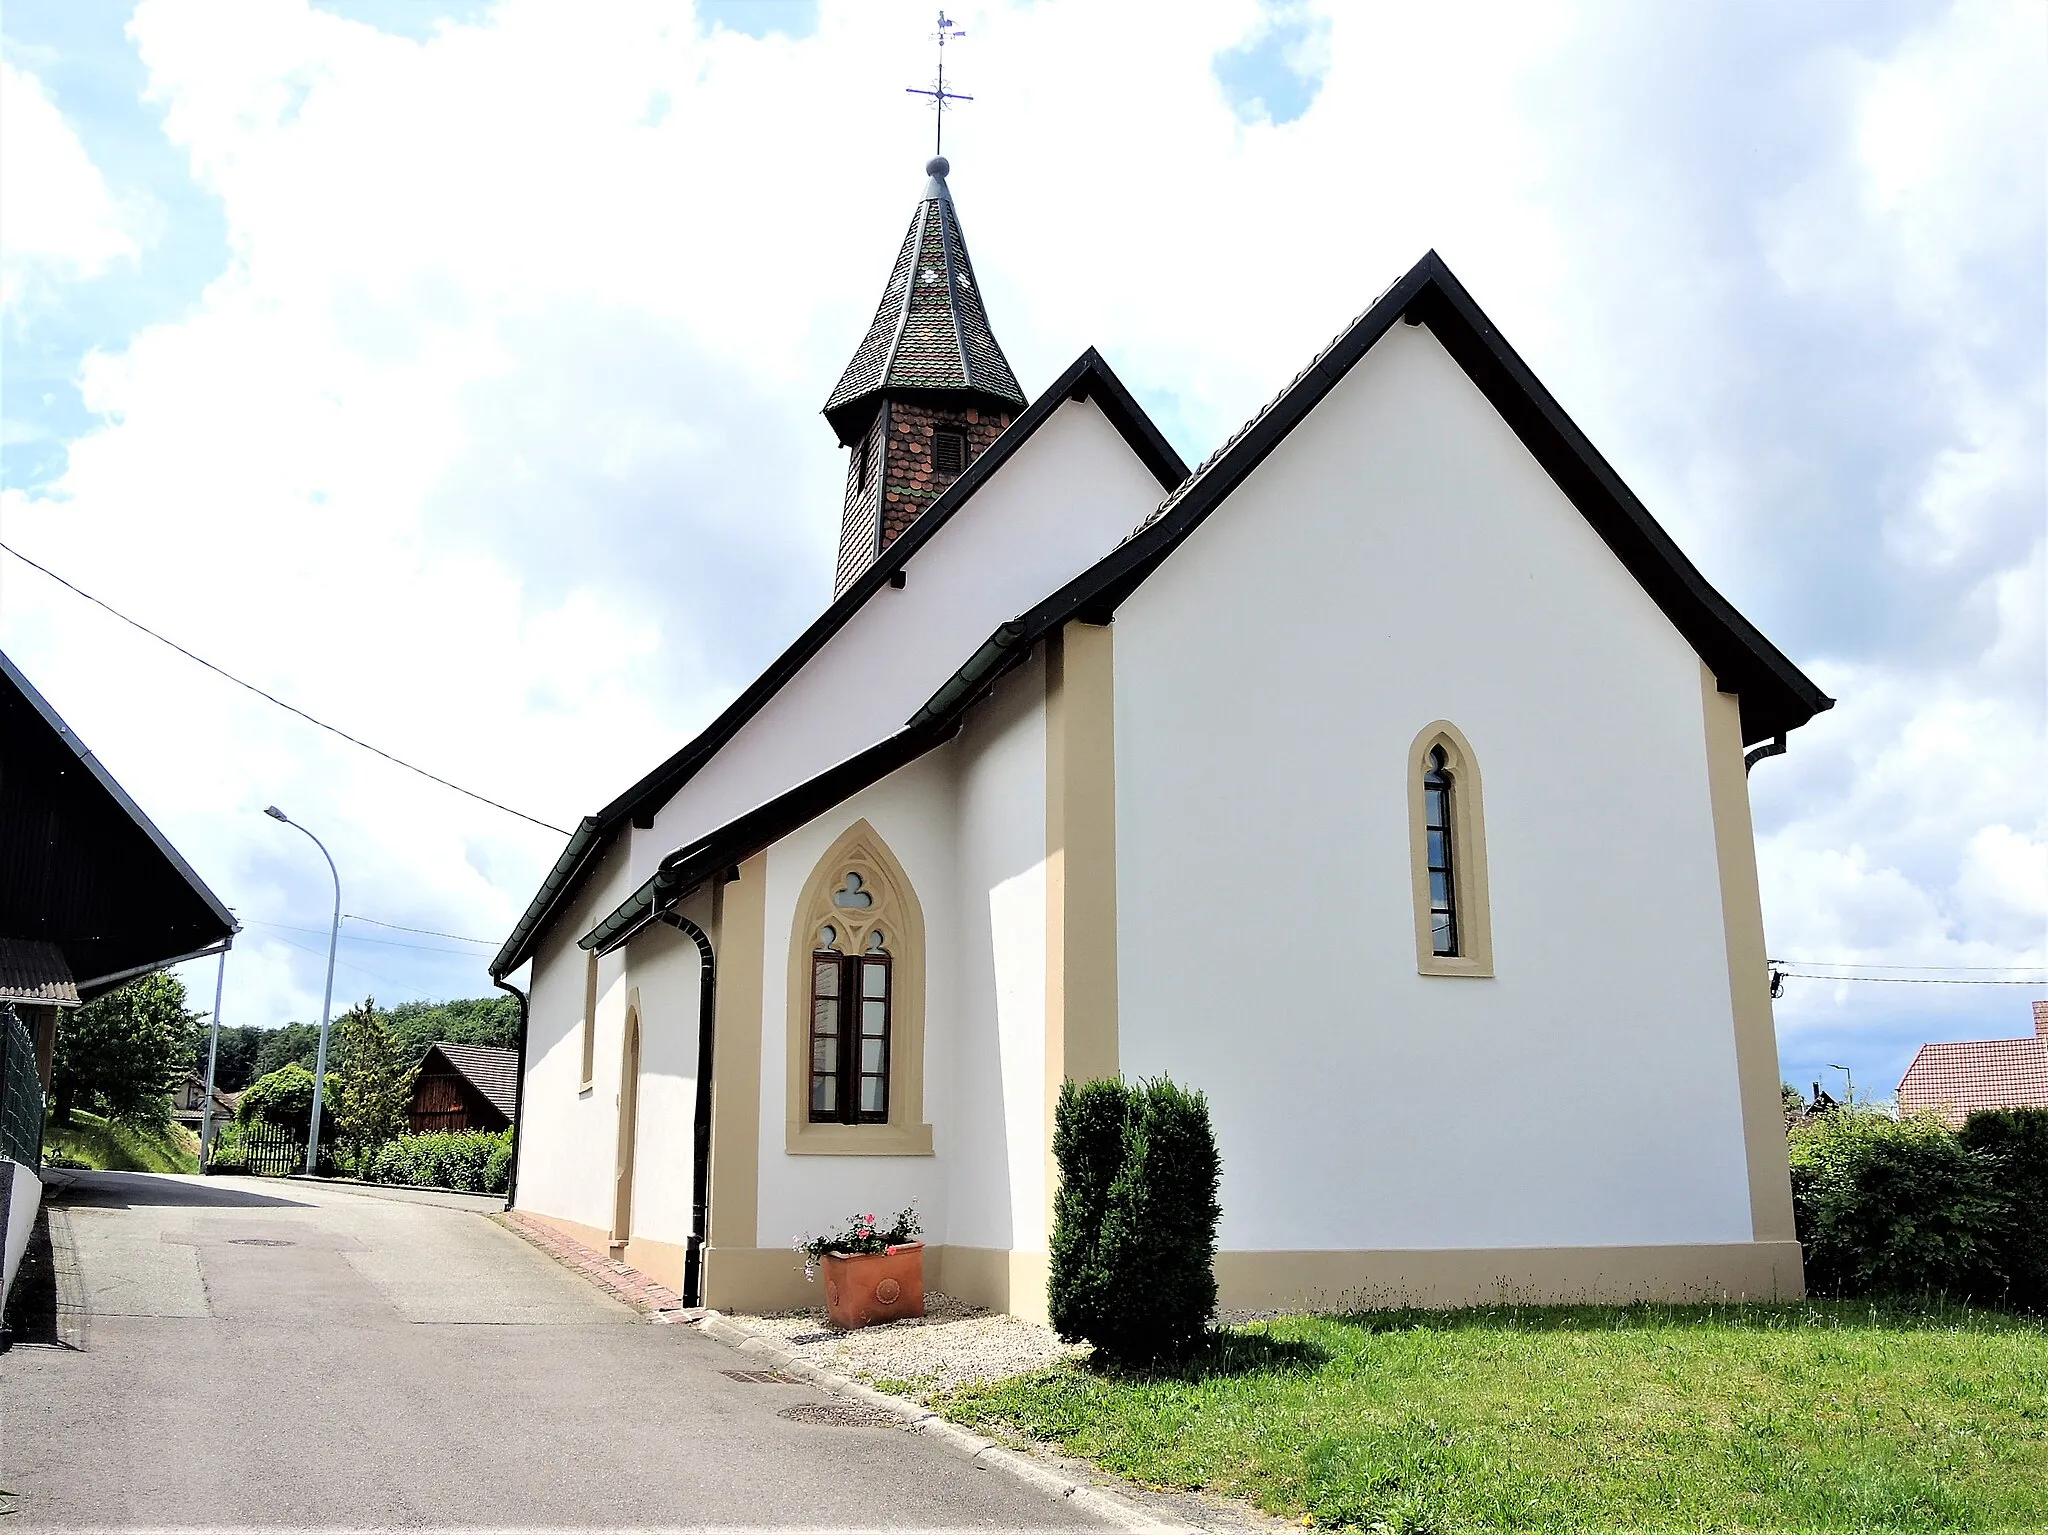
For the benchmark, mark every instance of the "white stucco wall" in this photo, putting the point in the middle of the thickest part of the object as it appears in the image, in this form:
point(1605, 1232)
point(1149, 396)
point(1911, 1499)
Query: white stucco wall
point(1400, 559)
point(912, 809)
point(1068, 496)
point(664, 970)
point(568, 1138)
point(995, 1166)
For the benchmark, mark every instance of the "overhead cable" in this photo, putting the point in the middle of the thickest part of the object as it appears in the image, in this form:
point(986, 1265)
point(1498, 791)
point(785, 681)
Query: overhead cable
point(481, 799)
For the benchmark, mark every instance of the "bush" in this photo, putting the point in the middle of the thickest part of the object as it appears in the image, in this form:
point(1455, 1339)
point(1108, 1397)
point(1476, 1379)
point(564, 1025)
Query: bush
point(2015, 1144)
point(1134, 1241)
point(471, 1161)
point(1088, 1130)
point(1896, 1207)
point(229, 1155)
point(284, 1097)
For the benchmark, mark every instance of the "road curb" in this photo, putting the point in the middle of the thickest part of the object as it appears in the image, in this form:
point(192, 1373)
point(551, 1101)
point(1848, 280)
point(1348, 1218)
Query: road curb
point(966, 1444)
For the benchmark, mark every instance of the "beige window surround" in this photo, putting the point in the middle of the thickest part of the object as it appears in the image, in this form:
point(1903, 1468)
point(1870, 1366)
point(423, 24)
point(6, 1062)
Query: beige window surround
point(589, 1023)
point(1468, 855)
point(861, 850)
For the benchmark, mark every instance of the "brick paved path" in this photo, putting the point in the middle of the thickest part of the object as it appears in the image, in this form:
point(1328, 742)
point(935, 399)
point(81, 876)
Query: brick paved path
point(658, 1301)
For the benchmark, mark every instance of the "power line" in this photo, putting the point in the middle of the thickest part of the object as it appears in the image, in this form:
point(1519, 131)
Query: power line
point(273, 698)
point(1871, 964)
point(349, 916)
point(386, 943)
point(1903, 980)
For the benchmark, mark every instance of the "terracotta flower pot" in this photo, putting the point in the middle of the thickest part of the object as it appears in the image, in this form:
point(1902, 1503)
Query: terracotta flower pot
point(875, 1287)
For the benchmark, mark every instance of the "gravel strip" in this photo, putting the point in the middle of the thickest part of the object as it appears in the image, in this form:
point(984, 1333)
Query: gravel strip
point(951, 1344)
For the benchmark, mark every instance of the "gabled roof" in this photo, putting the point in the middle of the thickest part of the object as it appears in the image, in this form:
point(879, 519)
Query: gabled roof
point(1088, 378)
point(1775, 695)
point(490, 1069)
point(930, 333)
point(81, 867)
point(1962, 1076)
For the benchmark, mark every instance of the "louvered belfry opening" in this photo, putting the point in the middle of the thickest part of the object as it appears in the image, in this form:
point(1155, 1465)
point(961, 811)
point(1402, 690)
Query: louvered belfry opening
point(928, 388)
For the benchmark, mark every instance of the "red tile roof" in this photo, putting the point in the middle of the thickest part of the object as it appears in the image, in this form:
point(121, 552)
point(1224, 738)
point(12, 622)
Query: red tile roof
point(1959, 1077)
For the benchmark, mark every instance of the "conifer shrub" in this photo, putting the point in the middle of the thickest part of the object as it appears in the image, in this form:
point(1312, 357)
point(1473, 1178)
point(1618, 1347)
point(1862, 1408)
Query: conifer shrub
point(2015, 1144)
point(1089, 1125)
point(1134, 1229)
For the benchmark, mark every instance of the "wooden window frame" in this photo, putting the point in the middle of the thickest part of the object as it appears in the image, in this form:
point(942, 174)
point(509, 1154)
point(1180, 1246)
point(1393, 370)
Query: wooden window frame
point(849, 1001)
point(900, 1129)
point(1467, 885)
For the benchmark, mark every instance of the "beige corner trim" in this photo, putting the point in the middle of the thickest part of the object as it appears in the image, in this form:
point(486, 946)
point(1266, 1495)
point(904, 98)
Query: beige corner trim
point(762, 1279)
point(860, 849)
point(1749, 986)
point(1080, 865)
point(739, 918)
point(589, 1022)
point(1367, 1280)
point(1469, 898)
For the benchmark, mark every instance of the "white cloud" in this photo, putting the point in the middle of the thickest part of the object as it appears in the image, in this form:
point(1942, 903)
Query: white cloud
point(496, 439)
point(61, 222)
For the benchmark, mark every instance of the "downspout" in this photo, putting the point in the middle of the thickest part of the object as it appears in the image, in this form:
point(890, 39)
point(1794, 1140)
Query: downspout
point(700, 1125)
point(518, 1090)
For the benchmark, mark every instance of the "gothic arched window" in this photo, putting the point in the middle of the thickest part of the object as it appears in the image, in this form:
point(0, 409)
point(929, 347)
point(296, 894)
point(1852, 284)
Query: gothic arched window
point(1447, 837)
point(856, 1030)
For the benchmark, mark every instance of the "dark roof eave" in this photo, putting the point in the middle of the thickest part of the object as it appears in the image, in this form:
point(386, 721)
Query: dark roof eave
point(1088, 377)
point(1776, 696)
point(112, 788)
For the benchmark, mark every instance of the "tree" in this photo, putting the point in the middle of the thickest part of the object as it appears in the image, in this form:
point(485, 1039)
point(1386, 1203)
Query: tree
point(370, 1082)
point(291, 1043)
point(123, 1053)
point(281, 1097)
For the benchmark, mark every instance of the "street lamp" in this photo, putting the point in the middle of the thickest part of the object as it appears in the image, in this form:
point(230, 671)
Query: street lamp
point(326, 1002)
point(1851, 1088)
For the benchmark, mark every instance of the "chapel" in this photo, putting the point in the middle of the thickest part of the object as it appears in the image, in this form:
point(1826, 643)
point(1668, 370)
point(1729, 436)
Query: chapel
point(1384, 778)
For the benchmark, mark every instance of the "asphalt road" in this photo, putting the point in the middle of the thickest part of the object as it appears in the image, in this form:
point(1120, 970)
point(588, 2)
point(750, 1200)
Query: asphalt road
point(260, 1355)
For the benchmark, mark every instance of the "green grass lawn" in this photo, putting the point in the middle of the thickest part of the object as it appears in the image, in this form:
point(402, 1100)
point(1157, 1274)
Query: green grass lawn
point(122, 1148)
point(1816, 1416)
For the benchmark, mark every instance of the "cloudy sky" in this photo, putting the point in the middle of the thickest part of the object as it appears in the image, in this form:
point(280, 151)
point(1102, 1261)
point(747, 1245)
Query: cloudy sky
point(452, 371)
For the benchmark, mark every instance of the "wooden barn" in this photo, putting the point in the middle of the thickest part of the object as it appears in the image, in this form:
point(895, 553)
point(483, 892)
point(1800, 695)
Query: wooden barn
point(464, 1087)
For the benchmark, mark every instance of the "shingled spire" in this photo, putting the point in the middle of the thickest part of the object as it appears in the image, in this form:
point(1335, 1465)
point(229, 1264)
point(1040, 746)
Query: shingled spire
point(928, 387)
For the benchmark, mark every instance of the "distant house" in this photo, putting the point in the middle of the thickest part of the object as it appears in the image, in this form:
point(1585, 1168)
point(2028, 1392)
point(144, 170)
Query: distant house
point(188, 1103)
point(1965, 1075)
point(464, 1087)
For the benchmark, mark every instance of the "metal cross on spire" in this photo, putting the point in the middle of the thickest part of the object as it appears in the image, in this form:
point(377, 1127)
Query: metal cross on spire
point(949, 32)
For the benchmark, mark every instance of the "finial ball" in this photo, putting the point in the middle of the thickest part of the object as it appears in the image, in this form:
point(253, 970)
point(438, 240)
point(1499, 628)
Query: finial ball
point(937, 165)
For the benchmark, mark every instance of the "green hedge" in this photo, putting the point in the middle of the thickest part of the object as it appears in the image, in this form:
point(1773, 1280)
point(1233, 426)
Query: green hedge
point(1906, 1206)
point(1134, 1222)
point(473, 1161)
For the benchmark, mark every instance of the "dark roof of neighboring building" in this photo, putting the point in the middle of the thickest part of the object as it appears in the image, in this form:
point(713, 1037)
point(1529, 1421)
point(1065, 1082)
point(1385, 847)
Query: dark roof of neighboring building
point(490, 1069)
point(81, 867)
point(930, 334)
point(1961, 1076)
point(1088, 378)
point(1775, 695)
point(34, 971)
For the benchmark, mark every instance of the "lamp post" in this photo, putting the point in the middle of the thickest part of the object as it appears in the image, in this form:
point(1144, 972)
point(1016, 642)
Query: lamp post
point(326, 1002)
point(1850, 1089)
point(220, 980)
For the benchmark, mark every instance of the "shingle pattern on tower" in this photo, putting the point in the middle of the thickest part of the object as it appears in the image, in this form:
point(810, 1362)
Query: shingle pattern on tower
point(931, 331)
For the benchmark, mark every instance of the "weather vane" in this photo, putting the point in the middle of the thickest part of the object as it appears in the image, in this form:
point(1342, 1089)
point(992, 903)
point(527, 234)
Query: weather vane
point(948, 32)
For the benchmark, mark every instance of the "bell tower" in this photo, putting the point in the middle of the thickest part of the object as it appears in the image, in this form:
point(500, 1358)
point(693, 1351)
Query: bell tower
point(928, 388)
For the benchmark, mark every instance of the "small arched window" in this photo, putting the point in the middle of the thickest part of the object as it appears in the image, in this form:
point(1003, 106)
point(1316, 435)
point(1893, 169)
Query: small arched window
point(1436, 823)
point(1447, 837)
